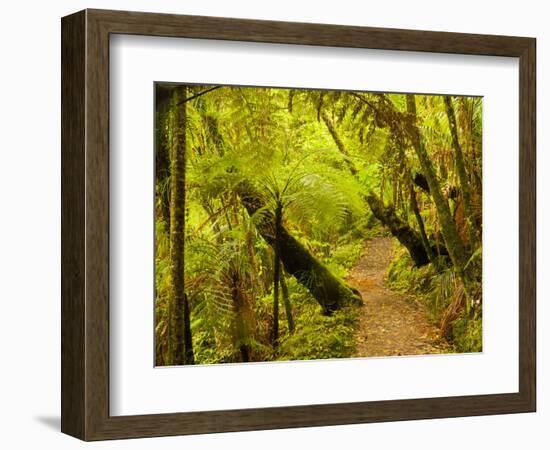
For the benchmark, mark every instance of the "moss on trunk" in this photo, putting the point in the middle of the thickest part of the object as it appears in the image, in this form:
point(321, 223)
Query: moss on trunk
point(180, 331)
point(453, 242)
point(338, 141)
point(461, 170)
point(286, 302)
point(162, 166)
point(406, 235)
point(330, 292)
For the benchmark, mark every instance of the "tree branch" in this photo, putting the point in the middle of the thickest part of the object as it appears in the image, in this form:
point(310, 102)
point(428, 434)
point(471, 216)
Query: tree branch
point(193, 97)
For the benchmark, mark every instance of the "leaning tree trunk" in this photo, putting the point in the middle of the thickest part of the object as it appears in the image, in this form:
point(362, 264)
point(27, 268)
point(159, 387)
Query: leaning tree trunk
point(452, 239)
point(180, 329)
point(461, 170)
point(414, 202)
point(418, 245)
point(330, 292)
point(343, 151)
point(407, 236)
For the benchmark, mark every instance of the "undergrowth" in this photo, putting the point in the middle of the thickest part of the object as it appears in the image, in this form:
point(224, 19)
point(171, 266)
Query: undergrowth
point(443, 294)
point(316, 336)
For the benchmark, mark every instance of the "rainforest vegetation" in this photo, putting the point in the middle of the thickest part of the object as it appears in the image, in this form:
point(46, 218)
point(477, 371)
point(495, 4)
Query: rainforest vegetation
point(310, 224)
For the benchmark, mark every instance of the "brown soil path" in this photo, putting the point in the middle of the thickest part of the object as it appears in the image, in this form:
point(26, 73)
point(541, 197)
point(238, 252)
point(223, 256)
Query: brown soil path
point(390, 323)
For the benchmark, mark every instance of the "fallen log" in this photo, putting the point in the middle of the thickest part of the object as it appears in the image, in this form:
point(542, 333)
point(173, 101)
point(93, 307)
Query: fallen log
point(330, 292)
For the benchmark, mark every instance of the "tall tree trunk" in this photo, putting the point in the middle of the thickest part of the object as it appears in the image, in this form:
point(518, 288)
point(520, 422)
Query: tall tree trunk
point(241, 309)
point(414, 202)
point(453, 242)
point(330, 292)
point(180, 329)
point(286, 302)
point(189, 355)
point(459, 159)
point(276, 276)
point(162, 165)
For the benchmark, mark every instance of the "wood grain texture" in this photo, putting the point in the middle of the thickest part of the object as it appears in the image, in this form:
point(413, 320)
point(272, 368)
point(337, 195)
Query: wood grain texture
point(97, 225)
point(527, 224)
point(152, 24)
point(85, 224)
point(72, 224)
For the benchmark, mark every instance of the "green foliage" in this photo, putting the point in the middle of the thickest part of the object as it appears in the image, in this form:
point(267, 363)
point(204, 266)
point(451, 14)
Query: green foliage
point(313, 156)
point(403, 276)
point(345, 255)
point(441, 291)
point(312, 340)
point(467, 333)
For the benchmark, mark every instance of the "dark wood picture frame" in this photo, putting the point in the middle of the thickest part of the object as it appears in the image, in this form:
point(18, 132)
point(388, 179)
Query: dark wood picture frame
point(85, 224)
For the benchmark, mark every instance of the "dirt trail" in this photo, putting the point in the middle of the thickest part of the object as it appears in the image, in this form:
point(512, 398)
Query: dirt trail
point(390, 323)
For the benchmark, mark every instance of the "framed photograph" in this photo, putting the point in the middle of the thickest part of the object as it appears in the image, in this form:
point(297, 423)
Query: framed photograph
point(272, 225)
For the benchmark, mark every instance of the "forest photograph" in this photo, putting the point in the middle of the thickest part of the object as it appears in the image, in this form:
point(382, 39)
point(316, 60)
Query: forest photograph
point(300, 224)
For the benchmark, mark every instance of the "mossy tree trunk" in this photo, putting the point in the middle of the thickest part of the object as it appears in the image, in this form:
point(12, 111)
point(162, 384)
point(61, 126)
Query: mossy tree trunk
point(420, 222)
point(413, 201)
point(162, 165)
point(242, 311)
point(286, 302)
point(338, 141)
point(461, 170)
point(330, 292)
point(452, 239)
point(407, 236)
point(418, 245)
point(276, 275)
point(179, 314)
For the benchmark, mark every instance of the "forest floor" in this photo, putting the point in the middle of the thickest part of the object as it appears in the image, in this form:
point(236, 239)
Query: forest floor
point(390, 323)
